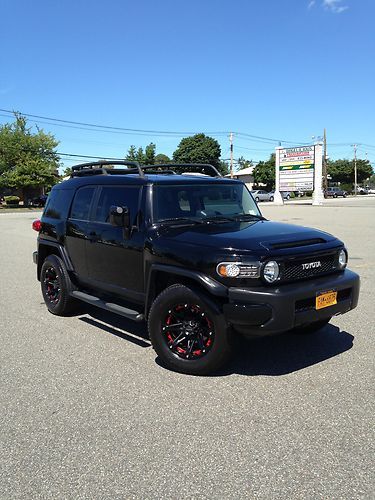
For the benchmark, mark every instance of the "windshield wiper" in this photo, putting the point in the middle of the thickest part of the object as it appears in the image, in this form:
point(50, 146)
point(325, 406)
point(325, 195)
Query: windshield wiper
point(245, 217)
point(218, 218)
point(180, 220)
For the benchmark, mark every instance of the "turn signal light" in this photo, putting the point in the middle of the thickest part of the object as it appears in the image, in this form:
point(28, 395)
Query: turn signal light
point(37, 225)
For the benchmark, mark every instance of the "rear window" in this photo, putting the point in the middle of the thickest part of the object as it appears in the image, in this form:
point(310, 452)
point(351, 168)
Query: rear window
point(58, 203)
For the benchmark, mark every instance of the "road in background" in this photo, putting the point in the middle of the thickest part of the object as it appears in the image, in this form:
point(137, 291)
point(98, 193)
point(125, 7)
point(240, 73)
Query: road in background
point(87, 412)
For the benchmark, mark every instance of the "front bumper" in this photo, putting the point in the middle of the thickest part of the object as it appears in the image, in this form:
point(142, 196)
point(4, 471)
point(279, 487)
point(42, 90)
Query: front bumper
point(266, 311)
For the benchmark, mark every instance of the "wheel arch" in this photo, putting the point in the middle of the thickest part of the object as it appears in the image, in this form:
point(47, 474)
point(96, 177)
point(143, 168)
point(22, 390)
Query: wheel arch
point(162, 276)
point(46, 248)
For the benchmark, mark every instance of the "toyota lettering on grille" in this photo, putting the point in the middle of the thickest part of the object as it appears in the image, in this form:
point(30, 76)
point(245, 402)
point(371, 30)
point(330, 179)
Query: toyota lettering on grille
point(312, 265)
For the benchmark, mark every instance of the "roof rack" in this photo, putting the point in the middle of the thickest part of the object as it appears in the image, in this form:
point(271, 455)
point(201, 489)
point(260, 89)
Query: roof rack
point(104, 167)
point(205, 168)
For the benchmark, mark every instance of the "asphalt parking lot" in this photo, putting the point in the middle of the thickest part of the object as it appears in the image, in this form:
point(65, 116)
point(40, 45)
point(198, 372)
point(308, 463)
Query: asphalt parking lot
point(87, 412)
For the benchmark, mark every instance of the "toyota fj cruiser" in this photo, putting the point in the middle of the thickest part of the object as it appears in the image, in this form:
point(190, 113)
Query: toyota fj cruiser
point(190, 254)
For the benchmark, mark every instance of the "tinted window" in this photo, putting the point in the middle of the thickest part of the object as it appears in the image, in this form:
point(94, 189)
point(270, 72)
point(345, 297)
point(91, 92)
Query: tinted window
point(202, 200)
point(81, 204)
point(122, 196)
point(57, 205)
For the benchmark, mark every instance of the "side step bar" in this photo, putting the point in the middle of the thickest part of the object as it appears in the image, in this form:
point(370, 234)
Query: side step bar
point(108, 306)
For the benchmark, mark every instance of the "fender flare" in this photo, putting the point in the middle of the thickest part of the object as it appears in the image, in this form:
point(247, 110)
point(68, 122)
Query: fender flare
point(212, 286)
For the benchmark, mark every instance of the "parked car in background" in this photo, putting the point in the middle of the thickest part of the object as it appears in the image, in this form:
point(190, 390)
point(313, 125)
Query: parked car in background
point(261, 195)
point(334, 192)
point(285, 194)
point(371, 191)
point(362, 190)
point(39, 201)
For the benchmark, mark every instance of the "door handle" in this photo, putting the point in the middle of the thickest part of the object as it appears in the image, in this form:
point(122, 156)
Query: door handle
point(93, 237)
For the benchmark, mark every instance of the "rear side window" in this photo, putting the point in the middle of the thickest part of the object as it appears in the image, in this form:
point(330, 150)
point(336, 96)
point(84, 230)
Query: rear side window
point(58, 203)
point(121, 196)
point(81, 203)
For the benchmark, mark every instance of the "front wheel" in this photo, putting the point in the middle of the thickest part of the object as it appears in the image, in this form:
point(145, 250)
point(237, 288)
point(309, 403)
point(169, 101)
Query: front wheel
point(187, 332)
point(271, 198)
point(257, 199)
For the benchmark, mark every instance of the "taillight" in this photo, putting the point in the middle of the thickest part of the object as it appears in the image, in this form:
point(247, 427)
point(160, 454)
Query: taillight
point(37, 225)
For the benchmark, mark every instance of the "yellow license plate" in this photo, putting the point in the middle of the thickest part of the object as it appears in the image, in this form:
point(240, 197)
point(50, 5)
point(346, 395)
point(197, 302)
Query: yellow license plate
point(325, 299)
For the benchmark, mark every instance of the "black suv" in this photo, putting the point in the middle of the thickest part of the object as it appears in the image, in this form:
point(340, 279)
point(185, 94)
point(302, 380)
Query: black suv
point(191, 255)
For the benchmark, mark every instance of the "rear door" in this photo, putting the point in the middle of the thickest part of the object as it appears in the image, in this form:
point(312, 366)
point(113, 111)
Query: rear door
point(116, 263)
point(77, 229)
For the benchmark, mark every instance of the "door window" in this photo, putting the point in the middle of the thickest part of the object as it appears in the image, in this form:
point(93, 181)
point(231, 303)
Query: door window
point(81, 203)
point(122, 196)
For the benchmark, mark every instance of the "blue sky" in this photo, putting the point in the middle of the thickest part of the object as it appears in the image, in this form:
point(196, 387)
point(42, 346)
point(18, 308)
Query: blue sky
point(281, 69)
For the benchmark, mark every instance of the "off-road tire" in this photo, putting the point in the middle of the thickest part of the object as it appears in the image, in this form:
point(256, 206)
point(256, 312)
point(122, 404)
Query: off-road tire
point(63, 303)
point(168, 301)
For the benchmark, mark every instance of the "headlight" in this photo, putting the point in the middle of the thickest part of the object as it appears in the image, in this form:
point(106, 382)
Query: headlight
point(237, 270)
point(271, 271)
point(343, 259)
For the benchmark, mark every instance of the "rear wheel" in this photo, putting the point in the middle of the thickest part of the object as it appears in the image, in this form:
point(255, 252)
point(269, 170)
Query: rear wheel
point(257, 199)
point(271, 198)
point(187, 332)
point(56, 286)
point(311, 328)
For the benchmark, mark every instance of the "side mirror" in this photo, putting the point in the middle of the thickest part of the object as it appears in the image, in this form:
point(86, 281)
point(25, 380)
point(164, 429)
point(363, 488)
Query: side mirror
point(120, 217)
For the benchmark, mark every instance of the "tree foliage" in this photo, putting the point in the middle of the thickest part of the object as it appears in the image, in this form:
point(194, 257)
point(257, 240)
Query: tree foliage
point(146, 157)
point(264, 172)
point(343, 171)
point(161, 159)
point(27, 159)
point(243, 163)
point(199, 148)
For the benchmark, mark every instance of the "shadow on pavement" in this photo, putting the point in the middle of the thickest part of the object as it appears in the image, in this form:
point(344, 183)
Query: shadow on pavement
point(287, 353)
point(116, 325)
point(272, 356)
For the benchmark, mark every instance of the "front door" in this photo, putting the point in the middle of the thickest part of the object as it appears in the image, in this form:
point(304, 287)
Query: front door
point(115, 263)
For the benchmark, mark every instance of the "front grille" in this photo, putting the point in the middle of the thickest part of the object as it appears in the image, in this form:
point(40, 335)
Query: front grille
point(296, 270)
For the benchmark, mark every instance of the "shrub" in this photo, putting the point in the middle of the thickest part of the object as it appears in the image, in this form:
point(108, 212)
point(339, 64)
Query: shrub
point(11, 200)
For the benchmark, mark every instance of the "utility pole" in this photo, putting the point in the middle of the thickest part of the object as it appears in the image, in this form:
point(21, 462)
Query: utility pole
point(355, 169)
point(325, 181)
point(231, 154)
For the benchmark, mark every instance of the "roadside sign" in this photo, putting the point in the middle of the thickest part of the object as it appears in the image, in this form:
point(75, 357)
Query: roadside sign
point(296, 168)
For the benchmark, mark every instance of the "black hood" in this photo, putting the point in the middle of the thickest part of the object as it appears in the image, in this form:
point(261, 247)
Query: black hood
point(248, 236)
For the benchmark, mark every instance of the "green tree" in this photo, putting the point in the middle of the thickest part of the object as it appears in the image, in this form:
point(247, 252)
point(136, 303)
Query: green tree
point(161, 159)
point(27, 159)
point(243, 163)
point(343, 170)
point(132, 154)
point(149, 156)
point(199, 149)
point(264, 172)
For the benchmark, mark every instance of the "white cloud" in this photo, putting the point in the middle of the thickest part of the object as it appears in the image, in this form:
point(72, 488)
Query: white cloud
point(311, 4)
point(334, 6)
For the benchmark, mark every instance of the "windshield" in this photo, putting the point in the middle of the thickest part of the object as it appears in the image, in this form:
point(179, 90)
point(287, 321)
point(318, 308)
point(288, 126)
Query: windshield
point(201, 202)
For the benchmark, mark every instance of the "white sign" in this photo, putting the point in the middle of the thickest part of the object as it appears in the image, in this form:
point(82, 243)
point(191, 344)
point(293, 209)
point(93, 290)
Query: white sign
point(296, 168)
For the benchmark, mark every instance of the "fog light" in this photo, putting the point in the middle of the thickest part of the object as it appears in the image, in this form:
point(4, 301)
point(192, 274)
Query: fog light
point(271, 271)
point(343, 259)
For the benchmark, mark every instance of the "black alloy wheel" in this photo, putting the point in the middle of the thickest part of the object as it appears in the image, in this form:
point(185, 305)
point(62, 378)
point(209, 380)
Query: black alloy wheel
point(188, 331)
point(52, 285)
point(56, 286)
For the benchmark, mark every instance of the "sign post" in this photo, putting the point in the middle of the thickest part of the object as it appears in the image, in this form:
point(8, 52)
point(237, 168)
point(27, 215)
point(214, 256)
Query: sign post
point(318, 195)
point(277, 199)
